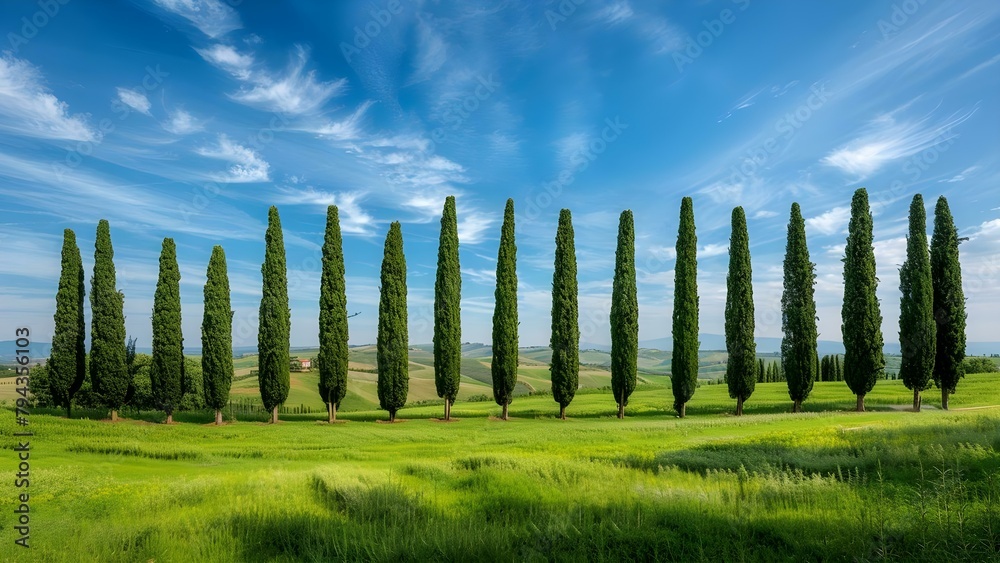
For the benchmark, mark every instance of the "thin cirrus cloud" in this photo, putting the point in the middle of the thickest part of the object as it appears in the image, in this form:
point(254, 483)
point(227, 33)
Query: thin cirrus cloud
point(296, 92)
point(28, 108)
point(182, 123)
point(212, 17)
point(353, 218)
point(227, 58)
point(134, 99)
point(247, 165)
point(831, 222)
point(887, 139)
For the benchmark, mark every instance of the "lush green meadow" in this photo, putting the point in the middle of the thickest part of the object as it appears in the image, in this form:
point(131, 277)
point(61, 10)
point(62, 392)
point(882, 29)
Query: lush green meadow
point(827, 484)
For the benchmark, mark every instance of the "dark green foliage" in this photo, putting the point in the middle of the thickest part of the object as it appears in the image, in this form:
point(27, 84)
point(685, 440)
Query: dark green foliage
point(333, 333)
point(392, 354)
point(798, 313)
point(684, 363)
point(166, 372)
point(838, 368)
point(505, 360)
point(217, 333)
point(624, 315)
point(565, 338)
point(448, 310)
point(275, 319)
point(67, 363)
point(861, 316)
point(108, 372)
point(917, 329)
point(949, 301)
point(760, 370)
point(969, 365)
point(742, 363)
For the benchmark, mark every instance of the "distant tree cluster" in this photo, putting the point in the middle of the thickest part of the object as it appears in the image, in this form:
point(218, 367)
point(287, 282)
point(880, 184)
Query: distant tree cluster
point(112, 376)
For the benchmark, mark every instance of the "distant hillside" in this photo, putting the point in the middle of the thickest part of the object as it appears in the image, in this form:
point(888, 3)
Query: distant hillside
point(36, 352)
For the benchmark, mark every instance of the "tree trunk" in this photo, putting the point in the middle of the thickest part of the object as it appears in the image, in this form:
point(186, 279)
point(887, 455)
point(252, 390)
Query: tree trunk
point(797, 405)
point(739, 406)
point(218, 417)
point(621, 411)
point(861, 403)
point(333, 412)
point(69, 413)
point(274, 415)
point(682, 411)
point(505, 411)
point(392, 416)
point(944, 399)
point(170, 418)
point(562, 412)
point(447, 409)
point(916, 400)
point(114, 413)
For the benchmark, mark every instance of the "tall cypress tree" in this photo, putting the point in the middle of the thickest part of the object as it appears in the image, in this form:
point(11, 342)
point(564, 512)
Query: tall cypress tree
point(624, 315)
point(67, 363)
point(838, 368)
point(108, 373)
point(917, 329)
point(760, 370)
point(448, 311)
point(217, 335)
point(393, 354)
point(565, 338)
point(742, 363)
point(168, 343)
point(798, 313)
point(861, 316)
point(505, 360)
point(684, 362)
point(333, 335)
point(275, 320)
point(949, 302)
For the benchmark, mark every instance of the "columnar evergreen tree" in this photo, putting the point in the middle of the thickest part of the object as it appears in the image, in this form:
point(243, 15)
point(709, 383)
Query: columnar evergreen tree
point(684, 363)
point(760, 370)
point(838, 368)
point(67, 363)
point(217, 335)
point(448, 311)
point(565, 338)
point(624, 315)
point(949, 302)
point(333, 335)
point(108, 373)
point(392, 354)
point(275, 320)
point(505, 360)
point(165, 371)
point(861, 316)
point(798, 313)
point(917, 328)
point(742, 364)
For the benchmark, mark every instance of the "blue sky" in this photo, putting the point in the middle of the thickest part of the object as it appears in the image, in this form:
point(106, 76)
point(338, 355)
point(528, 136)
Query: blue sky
point(188, 118)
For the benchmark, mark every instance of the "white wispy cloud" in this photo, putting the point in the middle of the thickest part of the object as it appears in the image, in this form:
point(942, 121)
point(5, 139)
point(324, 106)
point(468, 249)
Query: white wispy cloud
point(353, 218)
point(347, 129)
point(28, 108)
point(764, 214)
point(615, 13)
point(247, 165)
point(887, 139)
point(831, 222)
point(473, 226)
point(182, 123)
point(295, 92)
point(212, 17)
point(961, 176)
point(713, 249)
point(134, 99)
point(227, 58)
point(432, 52)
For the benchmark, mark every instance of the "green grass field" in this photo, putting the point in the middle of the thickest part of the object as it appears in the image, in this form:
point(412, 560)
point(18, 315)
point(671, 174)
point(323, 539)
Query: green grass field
point(827, 484)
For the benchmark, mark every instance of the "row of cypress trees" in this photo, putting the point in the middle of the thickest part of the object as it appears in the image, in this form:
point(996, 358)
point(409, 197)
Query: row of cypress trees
point(932, 318)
